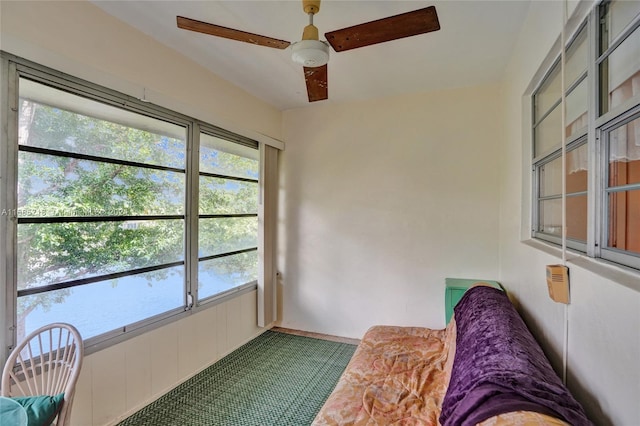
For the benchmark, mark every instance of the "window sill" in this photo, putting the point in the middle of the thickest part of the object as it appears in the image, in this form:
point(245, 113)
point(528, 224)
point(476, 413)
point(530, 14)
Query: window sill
point(622, 275)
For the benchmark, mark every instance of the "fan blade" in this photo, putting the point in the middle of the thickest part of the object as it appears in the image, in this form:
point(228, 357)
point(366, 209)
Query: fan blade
point(392, 28)
point(316, 79)
point(230, 33)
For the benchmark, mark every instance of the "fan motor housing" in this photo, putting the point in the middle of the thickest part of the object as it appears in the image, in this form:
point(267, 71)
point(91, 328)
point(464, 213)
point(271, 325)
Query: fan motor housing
point(310, 53)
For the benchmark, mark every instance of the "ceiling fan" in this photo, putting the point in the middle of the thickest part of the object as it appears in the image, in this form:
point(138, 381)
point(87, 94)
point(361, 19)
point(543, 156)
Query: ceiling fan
point(313, 54)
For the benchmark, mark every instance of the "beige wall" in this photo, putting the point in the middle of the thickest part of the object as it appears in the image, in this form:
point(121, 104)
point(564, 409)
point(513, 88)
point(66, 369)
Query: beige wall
point(117, 381)
point(121, 379)
point(79, 39)
point(382, 200)
point(604, 315)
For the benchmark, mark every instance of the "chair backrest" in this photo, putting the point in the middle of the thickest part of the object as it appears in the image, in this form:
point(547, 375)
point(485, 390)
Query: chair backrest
point(46, 362)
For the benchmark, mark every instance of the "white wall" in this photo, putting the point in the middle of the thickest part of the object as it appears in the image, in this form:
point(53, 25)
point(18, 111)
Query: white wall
point(604, 314)
point(384, 199)
point(79, 39)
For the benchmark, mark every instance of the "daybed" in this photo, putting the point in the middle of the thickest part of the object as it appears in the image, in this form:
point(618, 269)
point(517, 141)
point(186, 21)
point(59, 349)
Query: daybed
point(484, 368)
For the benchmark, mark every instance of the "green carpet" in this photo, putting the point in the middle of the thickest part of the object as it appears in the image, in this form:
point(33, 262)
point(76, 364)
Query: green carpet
point(275, 379)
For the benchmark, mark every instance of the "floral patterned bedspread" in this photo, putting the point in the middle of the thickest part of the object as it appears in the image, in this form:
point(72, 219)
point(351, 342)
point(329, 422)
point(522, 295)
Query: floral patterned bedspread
point(396, 377)
point(399, 376)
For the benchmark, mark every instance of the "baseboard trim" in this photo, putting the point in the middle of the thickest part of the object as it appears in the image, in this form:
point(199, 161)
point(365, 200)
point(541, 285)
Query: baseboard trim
point(317, 335)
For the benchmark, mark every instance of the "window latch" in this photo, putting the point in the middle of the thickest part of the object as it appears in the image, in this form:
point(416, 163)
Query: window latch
point(189, 302)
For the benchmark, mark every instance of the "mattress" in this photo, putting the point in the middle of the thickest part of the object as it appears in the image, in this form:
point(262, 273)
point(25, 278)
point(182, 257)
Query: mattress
point(399, 376)
point(396, 376)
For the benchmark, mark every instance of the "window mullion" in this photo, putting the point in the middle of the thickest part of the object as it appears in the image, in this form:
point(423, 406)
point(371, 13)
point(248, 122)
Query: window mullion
point(594, 213)
point(622, 188)
point(191, 211)
point(8, 222)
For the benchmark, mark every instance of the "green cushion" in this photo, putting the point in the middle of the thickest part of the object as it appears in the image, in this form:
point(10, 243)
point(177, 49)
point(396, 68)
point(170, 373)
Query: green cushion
point(42, 409)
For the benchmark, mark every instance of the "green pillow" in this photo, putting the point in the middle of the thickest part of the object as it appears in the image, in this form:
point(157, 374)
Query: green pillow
point(42, 409)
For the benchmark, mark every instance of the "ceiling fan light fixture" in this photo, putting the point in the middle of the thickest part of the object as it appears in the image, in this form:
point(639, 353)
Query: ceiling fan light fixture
point(313, 54)
point(310, 53)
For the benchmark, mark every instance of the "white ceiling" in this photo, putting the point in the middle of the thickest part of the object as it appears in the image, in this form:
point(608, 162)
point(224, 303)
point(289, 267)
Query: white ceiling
point(472, 47)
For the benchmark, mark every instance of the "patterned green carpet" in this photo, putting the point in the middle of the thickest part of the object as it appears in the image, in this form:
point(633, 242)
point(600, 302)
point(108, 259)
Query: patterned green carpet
point(275, 379)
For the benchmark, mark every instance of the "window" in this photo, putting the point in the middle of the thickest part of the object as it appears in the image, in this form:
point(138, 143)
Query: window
point(622, 189)
point(608, 138)
point(550, 195)
point(619, 58)
point(547, 149)
point(228, 215)
point(105, 187)
point(100, 213)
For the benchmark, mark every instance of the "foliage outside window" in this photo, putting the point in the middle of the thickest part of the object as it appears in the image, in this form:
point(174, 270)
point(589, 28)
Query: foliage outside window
point(102, 205)
point(608, 138)
point(228, 220)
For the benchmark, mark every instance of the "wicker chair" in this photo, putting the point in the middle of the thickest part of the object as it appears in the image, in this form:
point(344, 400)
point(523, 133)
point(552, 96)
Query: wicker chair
point(47, 362)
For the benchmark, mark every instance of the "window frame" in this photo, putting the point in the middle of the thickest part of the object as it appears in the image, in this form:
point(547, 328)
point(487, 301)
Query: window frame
point(623, 257)
point(13, 69)
point(596, 133)
point(215, 132)
point(577, 245)
point(574, 141)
